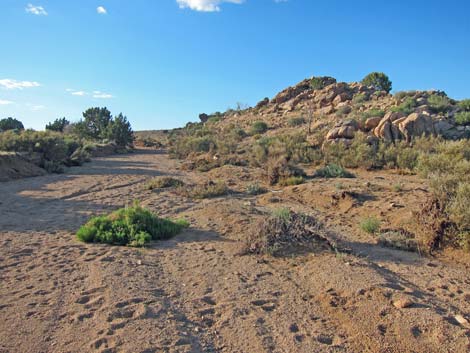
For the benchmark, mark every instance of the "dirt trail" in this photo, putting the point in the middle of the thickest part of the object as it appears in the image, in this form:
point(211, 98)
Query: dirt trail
point(195, 293)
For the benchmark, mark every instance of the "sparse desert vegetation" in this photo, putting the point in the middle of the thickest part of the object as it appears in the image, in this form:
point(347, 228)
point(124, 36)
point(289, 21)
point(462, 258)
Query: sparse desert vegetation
point(328, 193)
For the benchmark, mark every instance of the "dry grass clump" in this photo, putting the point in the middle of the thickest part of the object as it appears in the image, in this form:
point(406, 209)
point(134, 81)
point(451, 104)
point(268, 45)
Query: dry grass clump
point(333, 171)
point(284, 231)
point(255, 189)
point(398, 239)
point(162, 183)
point(206, 190)
point(281, 171)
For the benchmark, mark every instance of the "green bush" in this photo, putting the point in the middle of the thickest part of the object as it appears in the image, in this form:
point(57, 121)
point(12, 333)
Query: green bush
point(372, 113)
point(464, 105)
point(293, 122)
point(403, 94)
point(53, 149)
point(406, 107)
point(333, 171)
point(360, 98)
point(462, 118)
point(255, 189)
point(321, 82)
point(370, 225)
point(378, 80)
point(258, 127)
point(438, 103)
point(133, 226)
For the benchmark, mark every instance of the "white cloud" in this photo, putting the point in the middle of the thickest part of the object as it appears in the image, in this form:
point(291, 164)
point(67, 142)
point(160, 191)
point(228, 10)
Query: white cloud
point(101, 10)
point(13, 84)
point(101, 95)
point(5, 102)
point(78, 93)
point(205, 5)
point(36, 10)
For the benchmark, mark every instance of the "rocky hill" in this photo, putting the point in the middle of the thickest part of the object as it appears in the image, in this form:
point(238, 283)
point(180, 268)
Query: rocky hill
point(339, 110)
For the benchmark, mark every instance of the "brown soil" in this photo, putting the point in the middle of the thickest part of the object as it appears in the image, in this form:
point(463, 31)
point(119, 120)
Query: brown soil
point(196, 293)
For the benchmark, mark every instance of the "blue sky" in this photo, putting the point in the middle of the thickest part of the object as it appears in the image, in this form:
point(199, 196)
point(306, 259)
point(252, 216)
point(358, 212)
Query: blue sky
point(162, 62)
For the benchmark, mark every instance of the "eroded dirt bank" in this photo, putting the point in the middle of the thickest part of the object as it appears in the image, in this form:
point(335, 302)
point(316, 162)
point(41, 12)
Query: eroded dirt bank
point(195, 293)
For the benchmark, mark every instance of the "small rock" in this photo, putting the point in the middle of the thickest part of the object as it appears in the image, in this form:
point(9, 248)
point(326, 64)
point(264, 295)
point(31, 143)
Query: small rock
point(402, 303)
point(461, 320)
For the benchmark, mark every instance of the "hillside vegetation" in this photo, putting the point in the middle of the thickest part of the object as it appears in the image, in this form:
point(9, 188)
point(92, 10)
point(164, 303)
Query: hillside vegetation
point(64, 144)
point(324, 123)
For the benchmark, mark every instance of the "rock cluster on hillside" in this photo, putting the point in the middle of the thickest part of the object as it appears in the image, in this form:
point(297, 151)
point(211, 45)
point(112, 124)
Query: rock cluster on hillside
point(353, 107)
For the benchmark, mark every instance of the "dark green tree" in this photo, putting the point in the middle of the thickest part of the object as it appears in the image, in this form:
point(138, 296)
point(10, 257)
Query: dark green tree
point(11, 124)
point(379, 81)
point(58, 125)
point(96, 121)
point(120, 131)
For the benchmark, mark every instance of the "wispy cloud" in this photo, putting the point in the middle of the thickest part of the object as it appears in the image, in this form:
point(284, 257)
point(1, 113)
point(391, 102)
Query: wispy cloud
point(14, 84)
point(79, 93)
point(94, 94)
point(35, 108)
point(5, 102)
point(101, 10)
point(205, 5)
point(102, 95)
point(36, 10)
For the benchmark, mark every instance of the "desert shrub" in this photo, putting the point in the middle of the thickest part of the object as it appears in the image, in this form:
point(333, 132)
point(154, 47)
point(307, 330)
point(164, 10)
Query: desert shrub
point(206, 190)
point(372, 113)
point(52, 148)
point(186, 145)
point(343, 110)
point(284, 231)
point(360, 154)
point(464, 105)
point(458, 206)
point(397, 187)
point(293, 180)
point(407, 158)
point(278, 169)
point(163, 182)
point(11, 124)
point(133, 226)
point(462, 118)
point(255, 189)
point(293, 122)
point(258, 127)
point(400, 95)
point(406, 107)
point(333, 171)
point(237, 134)
point(439, 103)
point(321, 82)
point(378, 80)
point(398, 239)
point(370, 225)
point(293, 147)
point(360, 98)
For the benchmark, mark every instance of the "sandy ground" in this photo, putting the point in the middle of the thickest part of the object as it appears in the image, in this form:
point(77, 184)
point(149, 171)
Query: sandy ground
point(196, 293)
